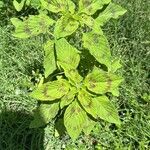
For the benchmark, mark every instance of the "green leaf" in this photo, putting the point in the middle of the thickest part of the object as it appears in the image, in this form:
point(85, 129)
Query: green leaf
point(88, 126)
point(49, 58)
point(98, 46)
point(99, 107)
point(100, 81)
point(43, 114)
point(33, 26)
point(115, 65)
point(107, 111)
point(91, 23)
point(35, 3)
point(112, 11)
point(51, 90)
point(68, 98)
point(65, 26)
point(67, 55)
point(74, 119)
point(59, 5)
point(89, 7)
point(18, 6)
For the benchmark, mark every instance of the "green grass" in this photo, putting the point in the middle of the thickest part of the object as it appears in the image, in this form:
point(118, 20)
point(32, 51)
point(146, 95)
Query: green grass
point(130, 40)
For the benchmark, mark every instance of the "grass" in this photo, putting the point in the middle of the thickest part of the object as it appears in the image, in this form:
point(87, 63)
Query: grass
point(130, 40)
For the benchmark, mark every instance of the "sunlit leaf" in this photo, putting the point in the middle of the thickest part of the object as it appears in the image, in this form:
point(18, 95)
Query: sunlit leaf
point(98, 46)
point(100, 82)
point(112, 11)
point(59, 5)
point(115, 65)
point(43, 114)
point(18, 5)
point(49, 58)
point(91, 23)
point(68, 98)
point(88, 126)
point(51, 90)
point(99, 107)
point(74, 119)
point(91, 6)
point(65, 27)
point(32, 26)
point(67, 55)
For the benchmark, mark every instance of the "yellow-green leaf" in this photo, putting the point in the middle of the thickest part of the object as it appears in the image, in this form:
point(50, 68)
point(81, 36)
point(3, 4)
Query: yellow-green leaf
point(89, 7)
point(100, 82)
point(65, 26)
point(51, 90)
point(67, 55)
point(99, 107)
point(74, 119)
point(88, 126)
point(112, 11)
point(49, 58)
point(58, 5)
point(68, 98)
point(98, 46)
point(18, 6)
point(91, 23)
point(43, 114)
point(32, 26)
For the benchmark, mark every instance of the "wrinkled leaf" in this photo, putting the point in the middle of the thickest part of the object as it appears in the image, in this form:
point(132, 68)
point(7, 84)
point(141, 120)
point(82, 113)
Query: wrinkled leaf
point(49, 58)
point(91, 6)
point(98, 46)
point(67, 55)
point(43, 114)
point(51, 90)
point(65, 27)
point(99, 107)
point(74, 119)
point(58, 5)
point(33, 26)
point(100, 82)
point(112, 11)
point(68, 98)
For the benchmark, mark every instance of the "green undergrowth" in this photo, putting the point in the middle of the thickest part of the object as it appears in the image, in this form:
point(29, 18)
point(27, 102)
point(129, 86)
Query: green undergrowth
point(130, 40)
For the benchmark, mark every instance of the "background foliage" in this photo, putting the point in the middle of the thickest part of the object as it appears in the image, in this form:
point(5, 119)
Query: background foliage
point(130, 40)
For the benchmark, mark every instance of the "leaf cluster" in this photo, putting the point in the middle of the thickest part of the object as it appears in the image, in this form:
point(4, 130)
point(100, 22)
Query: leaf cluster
point(82, 99)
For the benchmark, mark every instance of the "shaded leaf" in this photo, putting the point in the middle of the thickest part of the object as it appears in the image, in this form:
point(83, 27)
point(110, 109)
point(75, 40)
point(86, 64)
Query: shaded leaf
point(112, 11)
point(59, 5)
point(33, 26)
point(99, 107)
point(91, 6)
point(49, 58)
point(51, 90)
point(100, 81)
point(65, 27)
point(98, 46)
point(74, 119)
point(43, 114)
